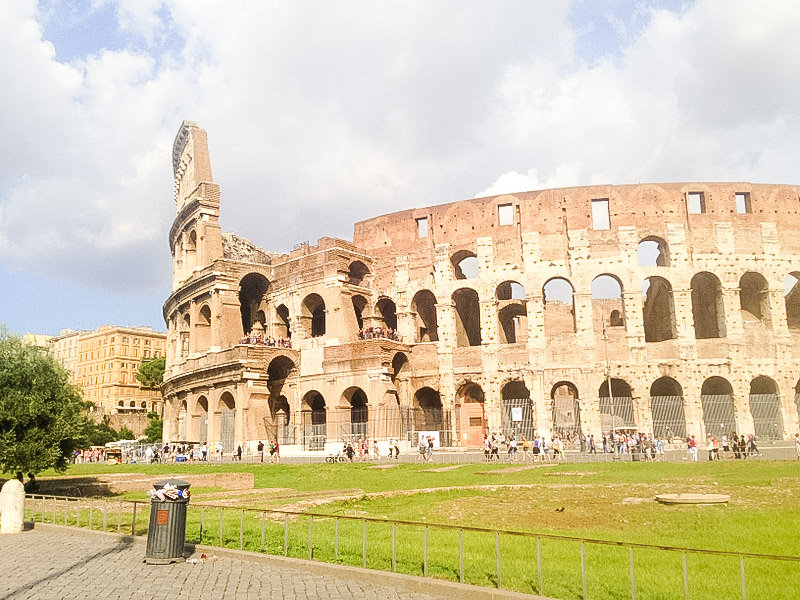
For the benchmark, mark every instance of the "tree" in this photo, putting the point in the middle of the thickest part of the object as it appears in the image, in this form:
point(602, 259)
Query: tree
point(42, 417)
point(151, 372)
point(154, 429)
point(99, 434)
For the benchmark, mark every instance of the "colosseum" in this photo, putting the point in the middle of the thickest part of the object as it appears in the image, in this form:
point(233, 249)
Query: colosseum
point(671, 309)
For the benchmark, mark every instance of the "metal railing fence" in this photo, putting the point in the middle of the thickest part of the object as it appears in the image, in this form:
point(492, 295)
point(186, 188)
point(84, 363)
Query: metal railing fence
point(560, 566)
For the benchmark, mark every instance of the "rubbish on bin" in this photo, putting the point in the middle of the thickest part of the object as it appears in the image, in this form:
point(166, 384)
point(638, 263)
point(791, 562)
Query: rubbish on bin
point(168, 491)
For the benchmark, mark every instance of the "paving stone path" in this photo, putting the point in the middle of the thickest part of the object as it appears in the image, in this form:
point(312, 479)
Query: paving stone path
point(51, 564)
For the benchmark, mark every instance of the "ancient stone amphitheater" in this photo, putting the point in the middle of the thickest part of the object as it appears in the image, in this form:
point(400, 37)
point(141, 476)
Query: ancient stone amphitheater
point(511, 313)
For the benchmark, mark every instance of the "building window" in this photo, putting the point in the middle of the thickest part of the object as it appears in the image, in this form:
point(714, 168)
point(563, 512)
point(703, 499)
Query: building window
point(147, 342)
point(697, 203)
point(601, 217)
point(505, 214)
point(422, 227)
point(124, 339)
point(743, 203)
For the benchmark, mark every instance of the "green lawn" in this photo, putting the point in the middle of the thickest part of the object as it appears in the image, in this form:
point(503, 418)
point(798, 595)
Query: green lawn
point(600, 501)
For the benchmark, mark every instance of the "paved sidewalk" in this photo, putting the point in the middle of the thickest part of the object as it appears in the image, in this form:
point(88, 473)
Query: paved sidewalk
point(51, 563)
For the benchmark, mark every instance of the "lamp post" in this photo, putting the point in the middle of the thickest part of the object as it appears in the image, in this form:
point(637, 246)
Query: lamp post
point(610, 392)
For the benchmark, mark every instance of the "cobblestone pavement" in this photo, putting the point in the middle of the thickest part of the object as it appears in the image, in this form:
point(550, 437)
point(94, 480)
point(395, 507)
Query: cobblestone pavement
point(50, 564)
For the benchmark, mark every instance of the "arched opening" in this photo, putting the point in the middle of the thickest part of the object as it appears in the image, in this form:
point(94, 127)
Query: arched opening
point(566, 410)
point(716, 396)
point(616, 408)
point(283, 327)
point(765, 407)
point(314, 416)
point(791, 297)
point(658, 310)
point(279, 369)
point(359, 304)
point(468, 317)
point(471, 416)
point(400, 367)
point(423, 305)
point(203, 327)
point(559, 307)
point(428, 415)
point(252, 288)
point(357, 273)
point(313, 315)
point(388, 314)
point(754, 298)
point(465, 265)
point(607, 305)
point(666, 405)
point(182, 418)
point(652, 252)
point(191, 251)
point(201, 415)
point(707, 306)
point(280, 428)
point(358, 413)
point(517, 415)
point(512, 312)
point(185, 329)
point(227, 416)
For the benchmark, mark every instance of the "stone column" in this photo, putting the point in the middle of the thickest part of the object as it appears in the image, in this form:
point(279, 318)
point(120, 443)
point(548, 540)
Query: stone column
point(12, 506)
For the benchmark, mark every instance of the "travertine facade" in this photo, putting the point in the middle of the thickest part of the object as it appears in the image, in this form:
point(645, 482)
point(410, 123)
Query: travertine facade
point(502, 313)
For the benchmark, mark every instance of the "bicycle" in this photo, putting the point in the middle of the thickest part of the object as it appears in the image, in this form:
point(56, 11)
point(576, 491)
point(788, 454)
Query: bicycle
point(334, 458)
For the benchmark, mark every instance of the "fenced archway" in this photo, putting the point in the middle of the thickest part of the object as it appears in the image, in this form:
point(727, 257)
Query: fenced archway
point(666, 406)
point(517, 415)
point(566, 410)
point(616, 408)
point(719, 415)
point(765, 407)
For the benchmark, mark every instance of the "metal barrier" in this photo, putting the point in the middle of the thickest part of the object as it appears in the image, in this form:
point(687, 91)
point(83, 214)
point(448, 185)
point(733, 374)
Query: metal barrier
point(476, 555)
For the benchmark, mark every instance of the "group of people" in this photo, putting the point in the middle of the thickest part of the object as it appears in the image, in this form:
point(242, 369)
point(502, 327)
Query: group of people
point(259, 339)
point(426, 448)
point(90, 455)
point(737, 447)
point(274, 451)
point(370, 333)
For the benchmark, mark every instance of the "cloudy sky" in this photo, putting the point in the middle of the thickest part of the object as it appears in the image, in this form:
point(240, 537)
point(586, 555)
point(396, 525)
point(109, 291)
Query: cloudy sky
point(324, 113)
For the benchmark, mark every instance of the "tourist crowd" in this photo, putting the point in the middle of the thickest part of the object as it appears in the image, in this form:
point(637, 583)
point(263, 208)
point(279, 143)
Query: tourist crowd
point(387, 333)
point(259, 339)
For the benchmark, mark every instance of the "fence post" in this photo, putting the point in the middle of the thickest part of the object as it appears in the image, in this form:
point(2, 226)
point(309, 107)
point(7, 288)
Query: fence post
point(105, 516)
point(91, 513)
point(202, 522)
point(583, 569)
point(685, 576)
point(78, 512)
point(119, 516)
point(497, 556)
point(394, 547)
point(221, 521)
point(364, 543)
point(263, 522)
point(336, 539)
point(633, 573)
point(461, 556)
point(42, 509)
point(539, 564)
point(741, 572)
point(66, 511)
point(133, 521)
point(425, 555)
point(286, 535)
point(55, 508)
point(310, 537)
point(241, 531)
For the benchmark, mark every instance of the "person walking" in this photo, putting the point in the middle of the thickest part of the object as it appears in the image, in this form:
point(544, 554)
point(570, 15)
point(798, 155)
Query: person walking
point(260, 451)
point(797, 445)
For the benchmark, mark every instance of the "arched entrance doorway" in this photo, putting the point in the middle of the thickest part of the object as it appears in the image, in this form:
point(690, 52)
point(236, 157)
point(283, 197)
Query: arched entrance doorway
point(716, 397)
point(566, 410)
point(227, 421)
point(471, 414)
point(517, 414)
point(666, 404)
point(766, 409)
point(314, 421)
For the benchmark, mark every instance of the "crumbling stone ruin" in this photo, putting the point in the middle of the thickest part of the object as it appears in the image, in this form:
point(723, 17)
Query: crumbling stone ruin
point(508, 313)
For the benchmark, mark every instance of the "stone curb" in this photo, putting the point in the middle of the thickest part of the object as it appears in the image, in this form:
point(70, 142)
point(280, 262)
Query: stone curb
point(408, 583)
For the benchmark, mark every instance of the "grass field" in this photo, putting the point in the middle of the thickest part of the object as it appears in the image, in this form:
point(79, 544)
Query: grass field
point(593, 501)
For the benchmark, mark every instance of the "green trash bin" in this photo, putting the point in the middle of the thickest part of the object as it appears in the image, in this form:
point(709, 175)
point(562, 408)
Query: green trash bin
point(166, 534)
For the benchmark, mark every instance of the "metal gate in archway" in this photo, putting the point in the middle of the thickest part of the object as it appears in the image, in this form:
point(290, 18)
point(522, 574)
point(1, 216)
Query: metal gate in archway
point(203, 437)
point(227, 420)
point(718, 414)
point(566, 417)
point(767, 419)
point(517, 417)
point(669, 420)
point(617, 410)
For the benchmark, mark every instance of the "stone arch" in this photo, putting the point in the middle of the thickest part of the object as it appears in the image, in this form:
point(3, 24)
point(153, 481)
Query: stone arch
point(754, 298)
point(471, 414)
point(313, 315)
point(517, 415)
point(357, 272)
point(765, 407)
point(386, 308)
point(358, 414)
point(252, 290)
point(608, 307)
point(280, 428)
point(200, 418)
point(791, 297)
point(279, 368)
point(427, 411)
point(468, 317)
point(400, 367)
point(616, 409)
point(314, 414)
point(708, 309)
point(652, 251)
point(226, 410)
point(423, 305)
point(512, 312)
point(465, 265)
point(359, 304)
point(719, 415)
point(283, 326)
point(566, 411)
point(559, 306)
point(658, 310)
point(203, 327)
point(666, 406)
point(186, 327)
point(183, 417)
point(191, 252)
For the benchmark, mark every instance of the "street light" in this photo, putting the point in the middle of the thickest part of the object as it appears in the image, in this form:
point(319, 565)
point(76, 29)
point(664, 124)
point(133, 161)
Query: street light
point(610, 392)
